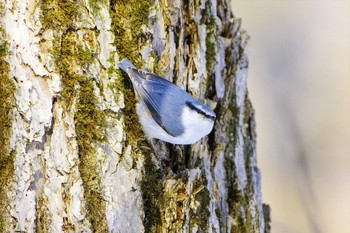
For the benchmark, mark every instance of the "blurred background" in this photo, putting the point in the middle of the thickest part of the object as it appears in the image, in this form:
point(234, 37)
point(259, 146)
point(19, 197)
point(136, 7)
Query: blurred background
point(299, 83)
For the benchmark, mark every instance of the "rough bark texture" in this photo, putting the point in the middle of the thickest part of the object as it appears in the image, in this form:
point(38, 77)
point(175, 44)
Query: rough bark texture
point(73, 156)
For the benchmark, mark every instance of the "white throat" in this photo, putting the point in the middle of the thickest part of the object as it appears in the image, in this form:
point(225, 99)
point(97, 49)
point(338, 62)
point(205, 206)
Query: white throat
point(196, 125)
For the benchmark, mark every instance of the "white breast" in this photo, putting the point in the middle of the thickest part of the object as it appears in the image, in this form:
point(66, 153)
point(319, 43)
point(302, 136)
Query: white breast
point(196, 126)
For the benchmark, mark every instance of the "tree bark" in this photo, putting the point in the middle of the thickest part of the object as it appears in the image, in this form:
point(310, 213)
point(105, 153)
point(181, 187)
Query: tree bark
point(73, 155)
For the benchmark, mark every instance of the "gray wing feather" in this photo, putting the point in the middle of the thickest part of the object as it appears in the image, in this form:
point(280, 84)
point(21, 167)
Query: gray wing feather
point(164, 111)
point(152, 89)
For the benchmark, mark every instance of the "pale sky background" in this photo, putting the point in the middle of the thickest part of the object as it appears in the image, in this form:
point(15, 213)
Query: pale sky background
point(299, 83)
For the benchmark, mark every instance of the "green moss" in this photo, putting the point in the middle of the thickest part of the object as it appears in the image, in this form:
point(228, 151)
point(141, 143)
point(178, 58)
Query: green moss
point(85, 56)
point(7, 156)
point(241, 216)
point(6, 177)
point(245, 219)
point(131, 125)
point(233, 193)
point(210, 42)
point(127, 19)
point(152, 191)
point(44, 216)
point(209, 20)
point(59, 14)
point(156, 69)
point(236, 198)
point(90, 123)
point(249, 119)
point(246, 222)
point(96, 4)
point(72, 59)
point(66, 63)
point(210, 53)
point(202, 213)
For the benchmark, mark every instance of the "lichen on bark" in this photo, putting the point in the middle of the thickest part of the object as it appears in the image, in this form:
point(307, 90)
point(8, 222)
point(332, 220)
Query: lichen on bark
point(7, 89)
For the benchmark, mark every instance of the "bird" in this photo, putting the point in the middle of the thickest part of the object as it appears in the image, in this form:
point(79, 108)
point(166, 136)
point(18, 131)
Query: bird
point(166, 111)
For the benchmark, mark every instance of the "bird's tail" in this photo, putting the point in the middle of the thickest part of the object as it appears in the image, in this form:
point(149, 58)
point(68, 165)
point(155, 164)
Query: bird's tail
point(125, 63)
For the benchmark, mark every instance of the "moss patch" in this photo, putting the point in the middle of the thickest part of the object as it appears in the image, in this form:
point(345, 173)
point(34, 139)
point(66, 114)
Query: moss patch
point(59, 15)
point(152, 192)
point(72, 59)
point(90, 123)
point(7, 156)
point(43, 214)
point(237, 199)
point(96, 4)
point(131, 125)
point(210, 42)
point(209, 20)
point(240, 203)
point(202, 213)
point(175, 200)
point(128, 17)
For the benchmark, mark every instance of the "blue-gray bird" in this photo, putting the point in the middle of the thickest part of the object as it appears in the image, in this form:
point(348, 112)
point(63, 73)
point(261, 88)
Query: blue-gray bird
point(167, 112)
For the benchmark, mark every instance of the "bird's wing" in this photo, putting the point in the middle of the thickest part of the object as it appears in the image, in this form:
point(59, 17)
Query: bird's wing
point(156, 92)
point(156, 96)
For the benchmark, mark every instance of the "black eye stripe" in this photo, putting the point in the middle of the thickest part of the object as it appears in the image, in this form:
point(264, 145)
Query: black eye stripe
point(193, 107)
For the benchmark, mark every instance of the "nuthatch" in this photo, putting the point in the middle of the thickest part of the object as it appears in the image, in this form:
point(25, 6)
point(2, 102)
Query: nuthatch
point(166, 111)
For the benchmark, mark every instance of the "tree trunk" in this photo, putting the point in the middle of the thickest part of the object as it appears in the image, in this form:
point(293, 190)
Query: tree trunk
point(73, 156)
